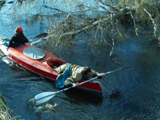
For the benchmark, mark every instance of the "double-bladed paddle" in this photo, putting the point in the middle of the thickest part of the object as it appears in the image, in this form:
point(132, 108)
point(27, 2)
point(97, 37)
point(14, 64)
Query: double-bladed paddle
point(46, 96)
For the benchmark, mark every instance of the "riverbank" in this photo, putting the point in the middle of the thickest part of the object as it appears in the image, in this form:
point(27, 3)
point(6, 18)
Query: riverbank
point(4, 111)
point(4, 114)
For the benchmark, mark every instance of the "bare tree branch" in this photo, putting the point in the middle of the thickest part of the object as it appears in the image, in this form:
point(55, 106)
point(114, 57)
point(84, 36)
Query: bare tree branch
point(120, 13)
point(112, 8)
point(134, 23)
point(155, 26)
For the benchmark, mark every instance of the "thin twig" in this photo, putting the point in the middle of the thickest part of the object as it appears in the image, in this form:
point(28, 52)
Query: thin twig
point(155, 26)
point(134, 23)
point(112, 35)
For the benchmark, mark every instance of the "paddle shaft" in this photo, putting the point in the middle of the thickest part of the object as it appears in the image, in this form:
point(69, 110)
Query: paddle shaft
point(76, 85)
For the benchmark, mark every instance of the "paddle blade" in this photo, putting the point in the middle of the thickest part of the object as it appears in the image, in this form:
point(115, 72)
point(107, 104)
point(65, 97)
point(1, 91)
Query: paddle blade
point(43, 100)
point(43, 97)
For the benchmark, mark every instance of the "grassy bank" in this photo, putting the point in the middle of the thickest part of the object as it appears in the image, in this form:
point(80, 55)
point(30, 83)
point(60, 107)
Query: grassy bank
point(4, 111)
point(4, 114)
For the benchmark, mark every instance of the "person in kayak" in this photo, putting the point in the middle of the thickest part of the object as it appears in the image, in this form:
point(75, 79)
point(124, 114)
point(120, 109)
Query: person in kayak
point(70, 74)
point(18, 39)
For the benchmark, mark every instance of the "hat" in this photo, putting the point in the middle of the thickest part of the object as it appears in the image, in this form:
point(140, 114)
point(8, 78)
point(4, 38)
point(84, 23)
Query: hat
point(19, 29)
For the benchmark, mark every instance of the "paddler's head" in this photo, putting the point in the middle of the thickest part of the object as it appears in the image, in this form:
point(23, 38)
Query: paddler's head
point(87, 72)
point(19, 29)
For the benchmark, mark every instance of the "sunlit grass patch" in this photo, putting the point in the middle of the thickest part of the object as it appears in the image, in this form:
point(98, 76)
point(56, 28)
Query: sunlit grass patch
point(4, 112)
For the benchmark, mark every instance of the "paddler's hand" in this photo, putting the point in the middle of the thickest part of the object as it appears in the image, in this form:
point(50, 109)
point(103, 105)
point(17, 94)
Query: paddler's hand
point(100, 75)
point(30, 40)
point(75, 84)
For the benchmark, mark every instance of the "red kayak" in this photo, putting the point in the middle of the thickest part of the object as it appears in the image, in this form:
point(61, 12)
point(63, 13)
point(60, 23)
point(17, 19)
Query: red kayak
point(39, 61)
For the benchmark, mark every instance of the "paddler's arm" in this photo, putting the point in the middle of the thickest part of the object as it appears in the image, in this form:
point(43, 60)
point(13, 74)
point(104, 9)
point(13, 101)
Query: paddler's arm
point(11, 40)
point(8, 38)
point(74, 78)
point(69, 81)
point(25, 39)
point(94, 74)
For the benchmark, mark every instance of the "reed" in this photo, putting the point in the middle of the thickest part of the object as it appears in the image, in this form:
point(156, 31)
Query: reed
point(4, 111)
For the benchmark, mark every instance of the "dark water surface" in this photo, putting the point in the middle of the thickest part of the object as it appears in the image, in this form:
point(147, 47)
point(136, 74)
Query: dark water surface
point(138, 85)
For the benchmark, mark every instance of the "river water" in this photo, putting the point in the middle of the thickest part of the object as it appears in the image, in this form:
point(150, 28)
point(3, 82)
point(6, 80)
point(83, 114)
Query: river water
point(138, 84)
